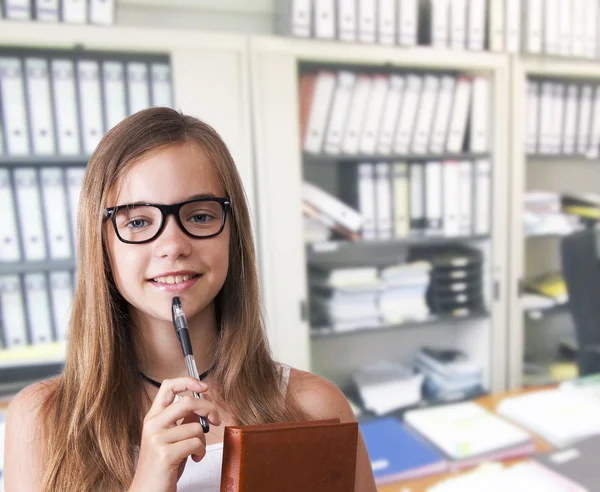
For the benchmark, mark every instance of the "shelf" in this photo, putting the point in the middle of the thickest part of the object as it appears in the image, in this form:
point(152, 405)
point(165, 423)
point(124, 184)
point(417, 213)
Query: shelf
point(43, 355)
point(353, 158)
point(539, 313)
point(43, 161)
point(327, 332)
point(15, 268)
point(332, 254)
point(563, 157)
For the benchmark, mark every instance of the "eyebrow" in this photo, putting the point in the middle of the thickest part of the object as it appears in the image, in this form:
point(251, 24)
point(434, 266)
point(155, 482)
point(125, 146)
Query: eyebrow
point(199, 196)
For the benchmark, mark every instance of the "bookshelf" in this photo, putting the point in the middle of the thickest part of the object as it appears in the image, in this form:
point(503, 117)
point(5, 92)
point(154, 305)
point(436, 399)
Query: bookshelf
point(281, 166)
point(209, 78)
point(536, 337)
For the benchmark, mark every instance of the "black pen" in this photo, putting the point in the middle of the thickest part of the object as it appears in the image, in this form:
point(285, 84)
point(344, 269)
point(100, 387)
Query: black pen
point(181, 328)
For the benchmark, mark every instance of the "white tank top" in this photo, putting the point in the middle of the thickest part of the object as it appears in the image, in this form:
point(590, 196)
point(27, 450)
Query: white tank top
point(205, 476)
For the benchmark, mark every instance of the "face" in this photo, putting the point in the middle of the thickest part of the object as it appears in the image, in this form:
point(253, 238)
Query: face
point(149, 275)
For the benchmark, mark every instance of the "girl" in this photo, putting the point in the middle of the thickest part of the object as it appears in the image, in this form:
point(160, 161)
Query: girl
point(162, 213)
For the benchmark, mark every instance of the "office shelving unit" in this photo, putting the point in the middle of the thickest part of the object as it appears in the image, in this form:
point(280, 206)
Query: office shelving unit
point(536, 333)
point(281, 167)
point(209, 77)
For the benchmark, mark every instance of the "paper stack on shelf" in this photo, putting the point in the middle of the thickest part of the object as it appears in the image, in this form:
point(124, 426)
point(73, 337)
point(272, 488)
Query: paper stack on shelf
point(385, 386)
point(449, 374)
point(402, 298)
point(544, 215)
point(560, 417)
point(468, 434)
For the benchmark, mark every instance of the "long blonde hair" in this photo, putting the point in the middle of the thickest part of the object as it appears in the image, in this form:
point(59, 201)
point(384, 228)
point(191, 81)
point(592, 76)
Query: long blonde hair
point(90, 421)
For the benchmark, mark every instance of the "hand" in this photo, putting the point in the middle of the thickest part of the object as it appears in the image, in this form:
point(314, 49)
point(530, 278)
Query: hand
point(166, 445)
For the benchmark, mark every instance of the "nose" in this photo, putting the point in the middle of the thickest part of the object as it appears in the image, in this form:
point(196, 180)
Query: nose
point(172, 242)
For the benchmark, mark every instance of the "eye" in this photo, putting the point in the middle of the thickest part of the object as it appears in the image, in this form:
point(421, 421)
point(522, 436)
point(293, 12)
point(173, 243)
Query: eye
point(137, 223)
point(201, 218)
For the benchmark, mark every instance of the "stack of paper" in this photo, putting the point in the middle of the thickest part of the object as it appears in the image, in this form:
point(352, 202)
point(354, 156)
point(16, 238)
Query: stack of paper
point(469, 434)
point(561, 417)
point(403, 292)
point(397, 453)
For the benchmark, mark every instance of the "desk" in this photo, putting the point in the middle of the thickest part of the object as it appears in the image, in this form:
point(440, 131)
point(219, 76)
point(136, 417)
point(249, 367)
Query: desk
point(489, 402)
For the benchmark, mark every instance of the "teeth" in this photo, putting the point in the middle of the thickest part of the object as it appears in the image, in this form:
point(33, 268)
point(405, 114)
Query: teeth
point(170, 279)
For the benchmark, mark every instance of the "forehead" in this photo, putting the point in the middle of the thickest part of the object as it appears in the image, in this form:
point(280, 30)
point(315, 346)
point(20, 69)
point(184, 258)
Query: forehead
point(169, 175)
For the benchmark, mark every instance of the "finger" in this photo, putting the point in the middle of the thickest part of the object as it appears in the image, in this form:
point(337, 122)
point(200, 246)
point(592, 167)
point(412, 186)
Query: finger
point(184, 407)
point(189, 447)
point(183, 432)
point(170, 388)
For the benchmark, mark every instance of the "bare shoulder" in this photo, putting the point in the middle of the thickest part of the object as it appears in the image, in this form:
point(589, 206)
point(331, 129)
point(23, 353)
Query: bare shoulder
point(318, 397)
point(25, 406)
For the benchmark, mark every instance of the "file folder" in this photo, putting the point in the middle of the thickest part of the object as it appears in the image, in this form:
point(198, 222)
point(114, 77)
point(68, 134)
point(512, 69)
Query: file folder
point(61, 294)
point(14, 323)
point(56, 216)
point(14, 116)
point(66, 108)
point(347, 20)
point(160, 82)
point(40, 106)
point(366, 21)
point(75, 177)
point(17, 9)
point(339, 111)
point(90, 99)
point(47, 10)
point(383, 195)
point(9, 237)
point(408, 22)
point(38, 308)
point(30, 213)
point(115, 100)
point(138, 86)
point(386, 25)
point(74, 11)
point(102, 11)
point(324, 19)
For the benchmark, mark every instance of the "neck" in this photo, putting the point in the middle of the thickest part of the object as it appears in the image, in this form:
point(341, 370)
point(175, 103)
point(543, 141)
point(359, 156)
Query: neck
point(158, 348)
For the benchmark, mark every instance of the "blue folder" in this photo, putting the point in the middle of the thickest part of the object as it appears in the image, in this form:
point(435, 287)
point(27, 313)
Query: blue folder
point(398, 453)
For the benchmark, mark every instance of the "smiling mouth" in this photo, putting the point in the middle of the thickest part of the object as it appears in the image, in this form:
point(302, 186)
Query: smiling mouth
point(173, 279)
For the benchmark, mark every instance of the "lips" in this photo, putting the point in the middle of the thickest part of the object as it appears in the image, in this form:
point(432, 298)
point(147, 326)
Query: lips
point(174, 279)
point(175, 284)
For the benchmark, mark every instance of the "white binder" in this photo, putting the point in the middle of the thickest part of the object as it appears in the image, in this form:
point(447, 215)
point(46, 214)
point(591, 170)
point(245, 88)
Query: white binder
point(533, 32)
point(584, 123)
point(30, 213)
point(115, 101)
point(74, 11)
point(476, 24)
point(347, 20)
point(416, 183)
point(441, 122)
point(440, 23)
point(374, 114)
point(570, 130)
point(90, 99)
point(400, 199)
point(564, 28)
point(408, 114)
point(366, 21)
point(324, 19)
point(551, 27)
point(12, 95)
point(366, 200)
point(17, 9)
point(546, 118)
point(38, 308)
point(319, 111)
point(356, 117)
point(458, 24)
point(61, 294)
point(65, 107)
point(513, 25)
point(483, 188)
point(496, 26)
point(408, 22)
point(339, 111)
point(451, 198)
point(594, 147)
point(9, 236)
point(578, 20)
point(480, 115)
point(433, 198)
point(14, 323)
point(47, 10)
point(558, 107)
point(55, 212)
point(423, 127)
point(391, 114)
point(590, 30)
point(339, 211)
point(102, 11)
point(383, 194)
point(459, 115)
point(532, 113)
point(74, 177)
point(160, 83)
point(40, 106)
point(465, 198)
point(138, 88)
point(386, 25)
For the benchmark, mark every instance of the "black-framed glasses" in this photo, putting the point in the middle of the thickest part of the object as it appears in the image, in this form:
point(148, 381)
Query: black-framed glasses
point(137, 223)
